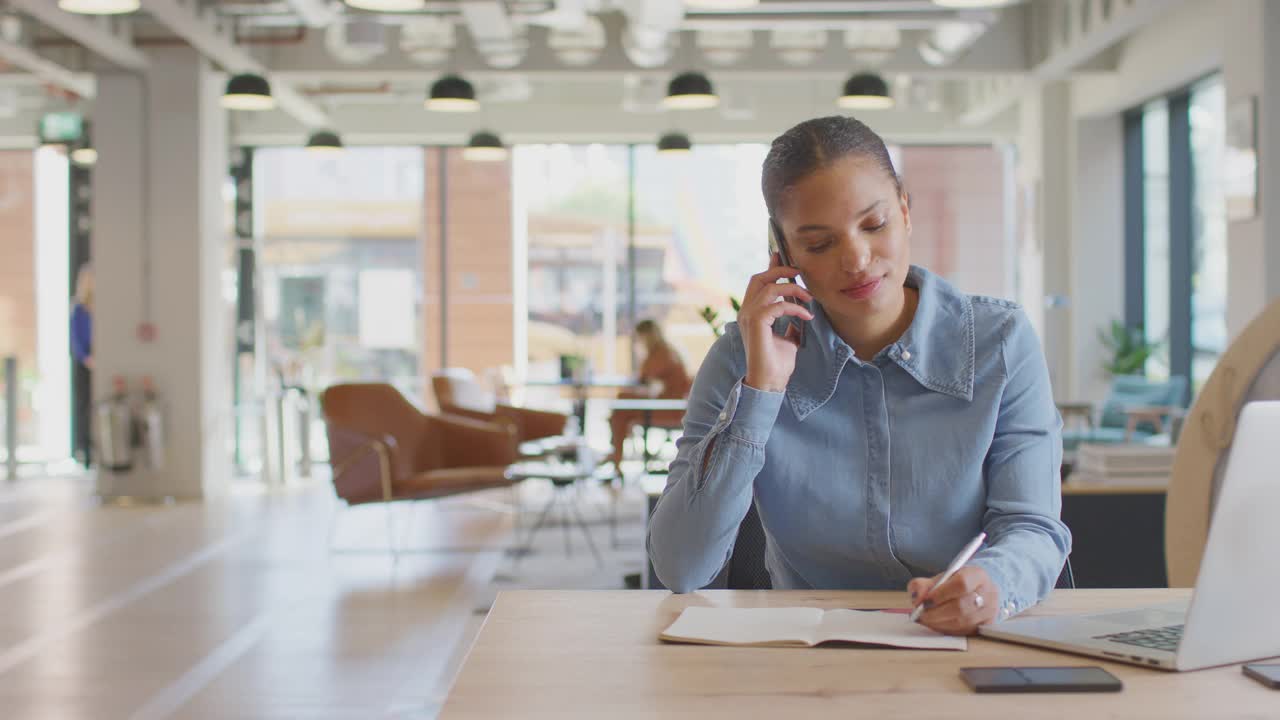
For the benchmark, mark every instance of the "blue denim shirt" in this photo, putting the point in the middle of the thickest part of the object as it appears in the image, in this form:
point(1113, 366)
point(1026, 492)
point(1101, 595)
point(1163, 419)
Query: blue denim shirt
point(866, 473)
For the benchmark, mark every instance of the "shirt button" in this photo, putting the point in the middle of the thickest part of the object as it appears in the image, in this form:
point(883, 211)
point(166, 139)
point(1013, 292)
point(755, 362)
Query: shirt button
point(906, 354)
point(724, 416)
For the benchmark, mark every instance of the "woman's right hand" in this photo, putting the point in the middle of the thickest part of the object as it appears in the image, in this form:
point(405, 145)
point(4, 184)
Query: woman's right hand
point(771, 359)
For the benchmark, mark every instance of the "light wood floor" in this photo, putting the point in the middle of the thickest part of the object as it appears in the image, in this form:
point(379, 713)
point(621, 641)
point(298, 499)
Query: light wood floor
point(234, 608)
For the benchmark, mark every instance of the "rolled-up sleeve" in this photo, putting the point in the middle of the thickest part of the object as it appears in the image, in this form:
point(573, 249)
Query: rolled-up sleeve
point(709, 489)
point(1027, 541)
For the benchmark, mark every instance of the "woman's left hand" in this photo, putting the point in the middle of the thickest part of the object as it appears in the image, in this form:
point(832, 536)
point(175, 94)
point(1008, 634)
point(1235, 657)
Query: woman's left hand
point(958, 606)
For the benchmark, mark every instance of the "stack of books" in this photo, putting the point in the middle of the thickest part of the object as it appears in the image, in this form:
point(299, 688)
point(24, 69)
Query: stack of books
point(1146, 465)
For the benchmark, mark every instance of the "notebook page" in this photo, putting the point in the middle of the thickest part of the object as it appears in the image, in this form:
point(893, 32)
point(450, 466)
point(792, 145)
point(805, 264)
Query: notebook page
point(881, 628)
point(745, 626)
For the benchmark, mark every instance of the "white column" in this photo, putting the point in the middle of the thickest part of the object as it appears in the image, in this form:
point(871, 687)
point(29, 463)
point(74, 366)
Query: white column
point(1251, 68)
point(159, 253)
point(1097, 248)
point(1045, 165)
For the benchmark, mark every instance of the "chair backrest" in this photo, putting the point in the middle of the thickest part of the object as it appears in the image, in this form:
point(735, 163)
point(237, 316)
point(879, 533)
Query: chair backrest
point(1130, 391)
point(458, 388)
point(378, 409)
point(1249, 370)
point(746, 564)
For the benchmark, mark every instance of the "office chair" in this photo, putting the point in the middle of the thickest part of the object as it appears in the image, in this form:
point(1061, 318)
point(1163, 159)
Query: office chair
point(746, 563)
point(1066, 578)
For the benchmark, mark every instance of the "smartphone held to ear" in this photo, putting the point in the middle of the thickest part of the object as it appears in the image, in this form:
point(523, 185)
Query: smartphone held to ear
point(787, 326)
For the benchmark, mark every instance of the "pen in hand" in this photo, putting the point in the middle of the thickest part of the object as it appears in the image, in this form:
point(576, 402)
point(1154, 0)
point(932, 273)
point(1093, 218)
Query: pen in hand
point(963, 557)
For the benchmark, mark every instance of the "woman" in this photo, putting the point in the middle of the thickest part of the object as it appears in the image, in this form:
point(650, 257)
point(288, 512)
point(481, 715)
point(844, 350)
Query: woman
point(82, 350)
point(663, 370)
point(913, 417)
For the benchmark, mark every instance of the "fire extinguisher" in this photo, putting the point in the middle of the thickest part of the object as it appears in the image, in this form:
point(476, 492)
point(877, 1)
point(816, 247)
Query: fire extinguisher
point(151, 426)
point(114, 429)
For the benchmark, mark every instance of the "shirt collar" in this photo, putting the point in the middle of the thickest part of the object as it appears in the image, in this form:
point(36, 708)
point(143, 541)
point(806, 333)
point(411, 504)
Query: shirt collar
point(937, 349)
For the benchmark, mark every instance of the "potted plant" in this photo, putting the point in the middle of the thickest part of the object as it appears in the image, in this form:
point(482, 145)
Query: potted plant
point(712, 316)
point(1129, 349)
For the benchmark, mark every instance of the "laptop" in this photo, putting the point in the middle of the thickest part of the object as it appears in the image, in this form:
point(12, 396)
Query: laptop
point(1231, 616)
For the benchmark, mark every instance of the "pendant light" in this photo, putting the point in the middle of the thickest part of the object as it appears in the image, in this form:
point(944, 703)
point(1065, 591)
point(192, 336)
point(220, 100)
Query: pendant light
point(485, 146)
point(99, 7)
point(324, 141)
point(866, 91)
point(674, 143)
point(85, 156)
point(81, 151)
point(690, 91)
point(248, 91)
point(452, 94)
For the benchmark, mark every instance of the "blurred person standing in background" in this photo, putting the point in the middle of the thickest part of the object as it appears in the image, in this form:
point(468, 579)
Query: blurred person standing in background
point(82, 369)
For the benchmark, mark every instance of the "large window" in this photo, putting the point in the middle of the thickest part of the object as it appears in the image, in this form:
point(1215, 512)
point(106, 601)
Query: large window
point(1155, 212)
point(340, 266)
point(35, 306)
point(1209, 229)
point(700, 237)
point(335, 252)
point(34, 302)
point(1180, 243)
point(573, 200)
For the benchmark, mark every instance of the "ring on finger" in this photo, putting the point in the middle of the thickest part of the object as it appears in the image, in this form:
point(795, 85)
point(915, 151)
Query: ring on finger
point(978, 601)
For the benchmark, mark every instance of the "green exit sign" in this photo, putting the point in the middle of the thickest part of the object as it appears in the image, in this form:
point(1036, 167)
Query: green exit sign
point(61, 127)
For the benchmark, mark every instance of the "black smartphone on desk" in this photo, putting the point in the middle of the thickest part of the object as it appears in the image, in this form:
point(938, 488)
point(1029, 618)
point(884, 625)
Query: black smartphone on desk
point(785, 324)
point(1040, 680)
point(1267, 674)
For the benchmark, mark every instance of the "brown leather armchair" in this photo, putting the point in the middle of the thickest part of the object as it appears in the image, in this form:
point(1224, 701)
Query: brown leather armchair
point(384, 449)
point(458, 393)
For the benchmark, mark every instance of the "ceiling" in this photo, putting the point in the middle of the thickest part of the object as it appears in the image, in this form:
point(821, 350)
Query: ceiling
point(596, 66)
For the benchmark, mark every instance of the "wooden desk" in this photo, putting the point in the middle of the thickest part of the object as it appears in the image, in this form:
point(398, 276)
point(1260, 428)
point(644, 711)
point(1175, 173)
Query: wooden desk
point(595, 654)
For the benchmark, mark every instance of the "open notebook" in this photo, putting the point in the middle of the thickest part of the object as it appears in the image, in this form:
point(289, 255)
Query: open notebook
point(804, 627)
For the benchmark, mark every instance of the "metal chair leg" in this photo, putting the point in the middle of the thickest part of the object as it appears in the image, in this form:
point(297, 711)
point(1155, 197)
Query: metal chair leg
point(537, 525)
point(585, 531)
point(564, 521)
point(517, 510)
point(614, 494)
point(391, 534)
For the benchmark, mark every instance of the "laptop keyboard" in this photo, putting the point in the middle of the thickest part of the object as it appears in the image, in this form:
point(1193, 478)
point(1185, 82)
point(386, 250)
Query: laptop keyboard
point(1161, 638)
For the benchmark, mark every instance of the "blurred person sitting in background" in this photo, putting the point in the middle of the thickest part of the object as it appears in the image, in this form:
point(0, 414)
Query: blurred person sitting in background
point(663, 371)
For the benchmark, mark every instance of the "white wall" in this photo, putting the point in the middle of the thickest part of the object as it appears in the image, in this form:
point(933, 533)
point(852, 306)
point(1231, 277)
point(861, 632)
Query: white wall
point(1252, 68)
point(1030, 236)
point(1045, 147)
point(1097, 256)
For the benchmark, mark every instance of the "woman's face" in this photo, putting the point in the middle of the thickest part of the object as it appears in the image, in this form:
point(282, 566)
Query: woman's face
point(847, 230)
